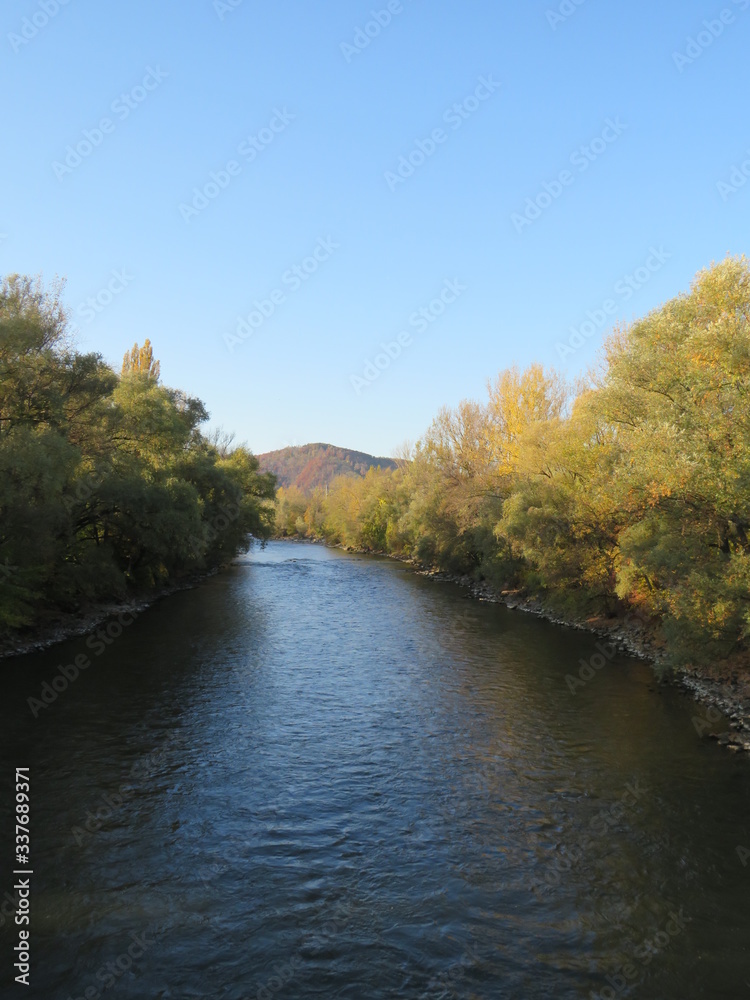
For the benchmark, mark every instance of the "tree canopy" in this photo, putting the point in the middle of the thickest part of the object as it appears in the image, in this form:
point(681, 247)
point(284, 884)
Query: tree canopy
point(108, 486)
point(628, 490)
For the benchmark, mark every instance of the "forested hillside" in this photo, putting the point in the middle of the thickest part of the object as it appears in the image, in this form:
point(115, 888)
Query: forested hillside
point(108, 487)
point(630, 490)
point(314, 465)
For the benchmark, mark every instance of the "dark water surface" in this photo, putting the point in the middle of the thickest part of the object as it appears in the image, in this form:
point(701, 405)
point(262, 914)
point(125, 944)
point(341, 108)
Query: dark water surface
point(322, 776)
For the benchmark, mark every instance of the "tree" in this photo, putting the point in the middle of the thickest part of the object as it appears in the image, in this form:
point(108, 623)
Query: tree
point(140, 360)
point(675, 394)
point(107, 485)
point(630, 489)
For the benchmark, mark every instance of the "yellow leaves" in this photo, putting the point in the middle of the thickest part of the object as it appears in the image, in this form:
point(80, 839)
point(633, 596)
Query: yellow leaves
point(657, 491)
point(517, 402)
point(140, 360)
point(640, 489)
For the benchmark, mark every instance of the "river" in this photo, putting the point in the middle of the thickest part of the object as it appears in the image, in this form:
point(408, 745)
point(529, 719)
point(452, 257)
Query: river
point(321, 775)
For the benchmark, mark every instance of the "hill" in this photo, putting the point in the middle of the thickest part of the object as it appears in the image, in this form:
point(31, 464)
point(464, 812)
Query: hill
point(311, 465)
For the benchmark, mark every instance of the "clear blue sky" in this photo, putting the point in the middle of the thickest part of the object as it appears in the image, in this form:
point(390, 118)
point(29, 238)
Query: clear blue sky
point(240, 67)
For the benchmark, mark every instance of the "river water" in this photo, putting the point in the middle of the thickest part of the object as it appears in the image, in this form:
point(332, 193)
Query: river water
point(323, 776)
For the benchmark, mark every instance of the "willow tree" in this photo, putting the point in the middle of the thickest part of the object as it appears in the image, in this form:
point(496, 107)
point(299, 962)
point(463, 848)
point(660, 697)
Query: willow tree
point(107, 485)
point(676, 390)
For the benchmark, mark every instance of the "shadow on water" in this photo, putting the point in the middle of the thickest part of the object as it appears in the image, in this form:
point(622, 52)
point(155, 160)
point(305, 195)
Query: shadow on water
point(322, 775)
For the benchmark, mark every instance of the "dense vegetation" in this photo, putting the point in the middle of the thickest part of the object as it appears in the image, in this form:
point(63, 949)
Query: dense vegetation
point(628, 490)
point(107, 486)
point(312, 465)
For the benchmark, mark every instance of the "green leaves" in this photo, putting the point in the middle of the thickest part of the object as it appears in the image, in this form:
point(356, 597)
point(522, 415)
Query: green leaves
point(106, 483)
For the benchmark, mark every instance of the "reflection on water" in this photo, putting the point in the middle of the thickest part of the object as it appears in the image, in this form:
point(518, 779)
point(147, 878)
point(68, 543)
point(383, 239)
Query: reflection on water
point(320, 775)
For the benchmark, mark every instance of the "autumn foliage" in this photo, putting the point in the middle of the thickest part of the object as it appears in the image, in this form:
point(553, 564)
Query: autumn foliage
point(628, 490)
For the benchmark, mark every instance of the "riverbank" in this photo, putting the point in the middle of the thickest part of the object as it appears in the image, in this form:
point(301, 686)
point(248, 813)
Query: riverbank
point(62, 626)
point(346, 711)
point(723, 692)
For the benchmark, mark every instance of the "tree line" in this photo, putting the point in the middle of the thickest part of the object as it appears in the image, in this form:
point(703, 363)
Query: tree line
point(108, 486)
point(627, 490)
